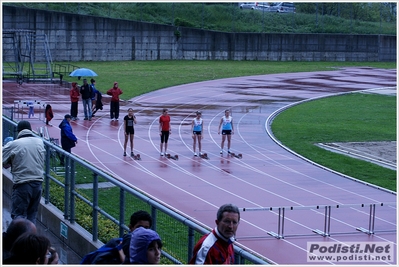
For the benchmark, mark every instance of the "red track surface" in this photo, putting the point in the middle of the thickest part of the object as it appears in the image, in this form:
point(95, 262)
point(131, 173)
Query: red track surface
point(266, 176)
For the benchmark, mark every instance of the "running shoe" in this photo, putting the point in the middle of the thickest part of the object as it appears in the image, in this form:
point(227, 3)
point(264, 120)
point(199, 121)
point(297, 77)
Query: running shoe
point(195, 155)
point(221, 151)
point(161, 153)
point(132, 154)
point(124, 154)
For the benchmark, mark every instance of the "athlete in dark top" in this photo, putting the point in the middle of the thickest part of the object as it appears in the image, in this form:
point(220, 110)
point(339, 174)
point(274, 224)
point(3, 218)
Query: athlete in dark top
point(128, 126)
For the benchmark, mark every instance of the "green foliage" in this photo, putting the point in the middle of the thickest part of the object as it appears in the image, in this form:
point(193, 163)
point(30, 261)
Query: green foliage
point(375, 18)
point(349, 118)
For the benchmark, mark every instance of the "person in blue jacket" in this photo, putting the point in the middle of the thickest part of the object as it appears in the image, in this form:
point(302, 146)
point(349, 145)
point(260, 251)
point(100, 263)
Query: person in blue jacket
point(68, 139)
point(145, 247)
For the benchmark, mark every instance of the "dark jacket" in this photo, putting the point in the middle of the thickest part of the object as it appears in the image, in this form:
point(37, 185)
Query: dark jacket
point(68, 139)
point(86, 91)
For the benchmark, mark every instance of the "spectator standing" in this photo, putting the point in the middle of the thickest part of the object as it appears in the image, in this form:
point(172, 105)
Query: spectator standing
point(49, 114)
point(114, 92)
point(86, 92)
point(217, 246)
point(17, 227)
point(145, 247)
point(94, 93)
point(227, 130)
point(96, 99)
point(74, 94)
point(164, 130)
point(196, 129)
point(26, 156)
point(128, 125)
point(68, 139)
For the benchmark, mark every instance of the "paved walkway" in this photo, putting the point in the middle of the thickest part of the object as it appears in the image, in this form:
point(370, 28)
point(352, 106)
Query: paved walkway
point(267, 175)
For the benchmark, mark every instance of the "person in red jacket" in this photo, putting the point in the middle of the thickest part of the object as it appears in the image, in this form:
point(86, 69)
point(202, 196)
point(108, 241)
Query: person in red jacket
point(74, 94)
point(115, 92)
point(49, 114)
point(217, 246)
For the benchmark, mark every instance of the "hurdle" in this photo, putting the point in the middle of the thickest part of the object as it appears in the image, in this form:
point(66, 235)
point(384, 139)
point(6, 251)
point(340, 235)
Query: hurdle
point(327, 213)
point(30, 105)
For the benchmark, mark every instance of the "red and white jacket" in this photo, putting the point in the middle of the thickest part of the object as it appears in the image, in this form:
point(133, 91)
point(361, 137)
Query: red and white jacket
point(213, 248)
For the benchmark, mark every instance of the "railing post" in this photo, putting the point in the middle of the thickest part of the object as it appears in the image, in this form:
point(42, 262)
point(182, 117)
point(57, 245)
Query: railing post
point(190, 245)
point(47, 176)
point(154, 218)
point(73, 192)
point(67, 187)
point(121, 211)
point(95, 206)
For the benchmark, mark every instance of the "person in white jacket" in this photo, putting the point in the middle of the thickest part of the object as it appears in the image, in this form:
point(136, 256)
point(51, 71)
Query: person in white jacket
point(26, 157)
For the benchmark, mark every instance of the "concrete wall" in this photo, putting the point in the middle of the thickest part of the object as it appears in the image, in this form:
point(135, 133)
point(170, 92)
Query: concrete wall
point(74, 37)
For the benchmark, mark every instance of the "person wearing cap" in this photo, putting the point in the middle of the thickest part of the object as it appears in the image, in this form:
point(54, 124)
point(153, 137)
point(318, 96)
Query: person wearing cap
point(114, 92)
point(26, 156)
point(196, 129)
point(68, 139)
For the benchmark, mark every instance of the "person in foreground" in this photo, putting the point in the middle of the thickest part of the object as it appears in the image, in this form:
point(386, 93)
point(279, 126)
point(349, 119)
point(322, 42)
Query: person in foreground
point(145, 247)
point(217, 246)
point(32, 249)
point(17, 227)
point(26, 156)
point(138, 219)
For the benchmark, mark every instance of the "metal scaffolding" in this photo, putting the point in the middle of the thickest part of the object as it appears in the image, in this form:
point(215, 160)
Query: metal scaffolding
point(26, 56)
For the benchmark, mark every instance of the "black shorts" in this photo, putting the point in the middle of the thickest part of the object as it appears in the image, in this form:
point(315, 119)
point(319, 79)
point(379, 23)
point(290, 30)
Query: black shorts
point(130, 130)
point(197, 132)
point(164, 136)
point(226, 132)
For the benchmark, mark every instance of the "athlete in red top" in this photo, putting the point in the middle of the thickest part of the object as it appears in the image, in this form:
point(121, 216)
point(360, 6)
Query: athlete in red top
point(164, 130)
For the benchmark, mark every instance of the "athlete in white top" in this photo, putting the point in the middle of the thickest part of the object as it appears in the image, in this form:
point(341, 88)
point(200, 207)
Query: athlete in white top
point(196, 129)
point(227, 130)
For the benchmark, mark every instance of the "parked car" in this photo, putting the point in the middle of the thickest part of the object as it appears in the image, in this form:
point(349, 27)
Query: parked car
point(247, 5)
point(261, 5)
point(282, 7)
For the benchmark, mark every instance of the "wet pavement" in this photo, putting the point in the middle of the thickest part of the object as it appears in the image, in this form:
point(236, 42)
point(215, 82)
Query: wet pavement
point(267, 176)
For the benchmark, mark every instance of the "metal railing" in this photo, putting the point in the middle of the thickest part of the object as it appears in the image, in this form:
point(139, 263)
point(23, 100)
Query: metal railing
point(99, 203)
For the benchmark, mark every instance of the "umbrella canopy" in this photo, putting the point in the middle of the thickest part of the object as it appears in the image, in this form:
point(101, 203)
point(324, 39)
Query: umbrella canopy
point(82, 72)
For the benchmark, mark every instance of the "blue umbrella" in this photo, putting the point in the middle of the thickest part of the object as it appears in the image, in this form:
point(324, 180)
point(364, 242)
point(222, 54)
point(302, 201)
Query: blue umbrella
point(83, 72)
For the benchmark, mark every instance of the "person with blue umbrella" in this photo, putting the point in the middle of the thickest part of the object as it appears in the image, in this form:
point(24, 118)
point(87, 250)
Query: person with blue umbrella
point(86, 92)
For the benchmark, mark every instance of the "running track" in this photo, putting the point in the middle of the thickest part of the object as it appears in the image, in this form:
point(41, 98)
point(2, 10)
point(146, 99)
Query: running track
point(266, 176)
